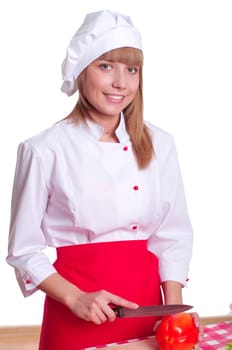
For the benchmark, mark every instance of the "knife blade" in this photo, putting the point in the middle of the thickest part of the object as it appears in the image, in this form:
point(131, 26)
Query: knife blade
point(151, 310)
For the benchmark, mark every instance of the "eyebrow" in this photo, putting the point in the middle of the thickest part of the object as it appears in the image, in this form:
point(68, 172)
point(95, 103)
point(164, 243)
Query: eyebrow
point(106, 60)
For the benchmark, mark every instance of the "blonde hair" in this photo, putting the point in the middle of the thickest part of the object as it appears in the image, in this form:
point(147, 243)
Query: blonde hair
point(133, 113)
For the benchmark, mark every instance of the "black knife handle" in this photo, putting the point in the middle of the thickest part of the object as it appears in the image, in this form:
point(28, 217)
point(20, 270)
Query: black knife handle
point(118, 310)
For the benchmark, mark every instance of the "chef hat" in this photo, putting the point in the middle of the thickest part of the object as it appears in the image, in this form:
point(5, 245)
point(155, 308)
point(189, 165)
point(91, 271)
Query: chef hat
point(100, 32)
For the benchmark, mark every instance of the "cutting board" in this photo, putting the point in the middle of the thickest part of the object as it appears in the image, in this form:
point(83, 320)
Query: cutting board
point(148, 344)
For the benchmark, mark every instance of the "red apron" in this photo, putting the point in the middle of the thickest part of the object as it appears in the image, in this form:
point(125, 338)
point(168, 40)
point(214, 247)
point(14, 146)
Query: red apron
point(125, 268)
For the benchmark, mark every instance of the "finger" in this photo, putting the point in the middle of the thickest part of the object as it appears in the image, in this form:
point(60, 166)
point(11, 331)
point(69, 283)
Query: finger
point(196, 319)
point(198, 324)
point(101, 316)
point(98, 315)
point(156, 325)
point(123, 302)
point(109, 313)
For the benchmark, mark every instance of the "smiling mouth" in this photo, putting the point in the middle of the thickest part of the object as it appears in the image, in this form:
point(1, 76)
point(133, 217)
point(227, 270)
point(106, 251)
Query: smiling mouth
point(115, 97)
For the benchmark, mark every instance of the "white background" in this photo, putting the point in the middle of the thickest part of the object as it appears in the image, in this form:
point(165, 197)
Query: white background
point(188, 90)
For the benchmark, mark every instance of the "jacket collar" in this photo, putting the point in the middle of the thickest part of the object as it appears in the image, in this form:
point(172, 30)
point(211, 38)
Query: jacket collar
point(97, 130)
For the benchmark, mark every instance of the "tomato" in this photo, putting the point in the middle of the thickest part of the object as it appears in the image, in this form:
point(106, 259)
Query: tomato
point(177, 332)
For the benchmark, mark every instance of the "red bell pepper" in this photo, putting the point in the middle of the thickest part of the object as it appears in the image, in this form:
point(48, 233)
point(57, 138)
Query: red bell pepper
point(177, 332)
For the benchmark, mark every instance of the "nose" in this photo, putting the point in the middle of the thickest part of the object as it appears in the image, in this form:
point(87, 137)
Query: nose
point(119, 79)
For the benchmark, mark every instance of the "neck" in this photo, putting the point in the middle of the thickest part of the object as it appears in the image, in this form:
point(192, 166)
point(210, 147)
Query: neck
point(108, 123)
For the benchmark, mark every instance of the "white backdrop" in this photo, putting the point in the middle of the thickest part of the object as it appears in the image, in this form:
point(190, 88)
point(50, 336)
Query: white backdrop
point(188, 89)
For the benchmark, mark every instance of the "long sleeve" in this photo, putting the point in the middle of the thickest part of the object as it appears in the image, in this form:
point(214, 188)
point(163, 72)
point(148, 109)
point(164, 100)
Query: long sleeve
point(173, 239)
point(26, 239)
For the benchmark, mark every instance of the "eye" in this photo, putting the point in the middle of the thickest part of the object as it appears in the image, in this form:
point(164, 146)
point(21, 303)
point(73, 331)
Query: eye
point(133, 70)
point(105, 66)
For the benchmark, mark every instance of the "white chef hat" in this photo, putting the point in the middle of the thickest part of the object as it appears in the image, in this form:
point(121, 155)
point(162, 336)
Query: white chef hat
point(100, 32)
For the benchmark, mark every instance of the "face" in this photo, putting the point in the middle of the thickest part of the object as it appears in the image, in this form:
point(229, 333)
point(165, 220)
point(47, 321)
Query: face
point(109, 87)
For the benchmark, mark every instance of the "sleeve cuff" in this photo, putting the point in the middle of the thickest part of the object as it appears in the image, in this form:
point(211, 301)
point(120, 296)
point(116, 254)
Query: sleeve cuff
point(28, 282)
point(174, 272)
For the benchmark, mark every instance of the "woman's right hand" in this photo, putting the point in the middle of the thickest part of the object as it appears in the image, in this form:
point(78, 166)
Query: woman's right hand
point(96, 307)
point(93, 306)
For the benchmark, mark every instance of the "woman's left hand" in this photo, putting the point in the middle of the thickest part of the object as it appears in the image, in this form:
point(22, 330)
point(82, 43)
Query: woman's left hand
point(199, 325)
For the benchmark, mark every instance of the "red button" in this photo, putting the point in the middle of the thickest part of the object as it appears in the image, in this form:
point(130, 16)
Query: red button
point(125, 148)
point(136, 188)
point(28, 281)
point(134, 227)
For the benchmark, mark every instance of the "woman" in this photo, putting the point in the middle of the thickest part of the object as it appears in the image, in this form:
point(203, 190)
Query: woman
point(104, 188)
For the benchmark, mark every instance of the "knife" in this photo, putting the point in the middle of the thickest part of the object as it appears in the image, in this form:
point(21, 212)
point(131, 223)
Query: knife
point(151, 310)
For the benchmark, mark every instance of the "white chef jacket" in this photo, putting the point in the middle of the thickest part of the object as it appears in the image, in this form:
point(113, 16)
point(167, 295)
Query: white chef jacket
point(70, 188)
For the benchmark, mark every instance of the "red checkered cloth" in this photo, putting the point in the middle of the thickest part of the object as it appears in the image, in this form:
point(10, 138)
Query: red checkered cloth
point(216, 336)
